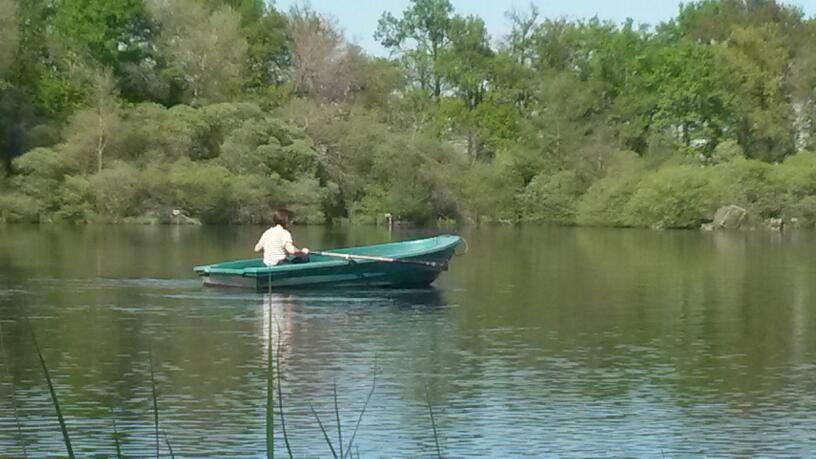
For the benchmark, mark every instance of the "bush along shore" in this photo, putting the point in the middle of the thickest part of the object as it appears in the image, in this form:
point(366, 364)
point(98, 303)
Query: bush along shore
point(219, 111)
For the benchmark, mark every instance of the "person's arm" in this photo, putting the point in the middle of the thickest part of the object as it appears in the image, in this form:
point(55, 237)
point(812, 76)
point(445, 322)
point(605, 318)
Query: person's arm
point(259, 245)
point(292, 250)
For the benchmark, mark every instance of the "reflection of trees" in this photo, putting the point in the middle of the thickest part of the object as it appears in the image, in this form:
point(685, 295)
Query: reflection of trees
point(683, 309)
point(534, 323)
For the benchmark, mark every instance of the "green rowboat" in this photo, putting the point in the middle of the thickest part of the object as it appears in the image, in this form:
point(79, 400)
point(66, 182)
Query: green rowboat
point(414, 263)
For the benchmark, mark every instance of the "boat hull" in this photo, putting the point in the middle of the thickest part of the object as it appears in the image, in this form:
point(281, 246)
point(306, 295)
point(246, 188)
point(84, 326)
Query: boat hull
point(324, 272)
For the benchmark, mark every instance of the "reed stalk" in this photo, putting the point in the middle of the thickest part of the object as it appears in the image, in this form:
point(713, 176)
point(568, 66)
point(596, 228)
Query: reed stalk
point(337, 415)
point(433, 423)
point(155, 402)
point(323, 429)
point(169, 446)
point(280, 389)
point(360, 418)
point(270, 389)
point(65, 438)
point(116, 438)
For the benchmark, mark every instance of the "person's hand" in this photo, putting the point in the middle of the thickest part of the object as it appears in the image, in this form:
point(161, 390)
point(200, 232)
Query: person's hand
point(304, 251)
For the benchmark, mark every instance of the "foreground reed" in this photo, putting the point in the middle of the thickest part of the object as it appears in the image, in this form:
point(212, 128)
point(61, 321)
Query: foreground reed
point(116, 438)
point(270, 392)
point(343, 450)
point(66, 439)
point(155, 401)
point(433, 422)
point(347, 451)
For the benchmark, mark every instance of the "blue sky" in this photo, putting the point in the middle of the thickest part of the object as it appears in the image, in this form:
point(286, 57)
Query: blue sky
point(358, 18)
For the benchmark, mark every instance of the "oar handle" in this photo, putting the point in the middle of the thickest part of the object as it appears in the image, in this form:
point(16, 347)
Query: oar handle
point(350, 257)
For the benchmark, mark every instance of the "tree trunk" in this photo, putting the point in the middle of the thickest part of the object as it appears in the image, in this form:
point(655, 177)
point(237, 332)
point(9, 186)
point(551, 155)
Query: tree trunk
point(100, 142)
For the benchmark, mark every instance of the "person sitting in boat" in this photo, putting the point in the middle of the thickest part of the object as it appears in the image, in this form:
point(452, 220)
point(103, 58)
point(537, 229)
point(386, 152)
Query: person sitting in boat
point(276, 242)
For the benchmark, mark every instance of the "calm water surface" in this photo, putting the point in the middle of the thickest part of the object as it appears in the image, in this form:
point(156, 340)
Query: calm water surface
point(539, 342)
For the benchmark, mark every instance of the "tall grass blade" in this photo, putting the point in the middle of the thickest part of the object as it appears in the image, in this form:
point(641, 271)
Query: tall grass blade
point(169, 446)
point(155, 403)
point(116, 438)
point(270, 389)
point(280, 391)
point(65, 438)
point(337, 414)
point(13, 394)
point(433, 423)
point(323, 429)
point(360, 419)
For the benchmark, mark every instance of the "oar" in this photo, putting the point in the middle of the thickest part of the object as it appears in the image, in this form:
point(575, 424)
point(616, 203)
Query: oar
point(350, 257)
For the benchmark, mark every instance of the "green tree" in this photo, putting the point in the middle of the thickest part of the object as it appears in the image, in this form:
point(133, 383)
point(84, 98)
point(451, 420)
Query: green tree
point(9, 35)
point(269, 49)
point(520, 42)
point(678, 91)
point(114, 34)
point(756, 61)
point(465, 63)
point(425, 23)
point(712, 21)
point(208, 49)
point(111, 32)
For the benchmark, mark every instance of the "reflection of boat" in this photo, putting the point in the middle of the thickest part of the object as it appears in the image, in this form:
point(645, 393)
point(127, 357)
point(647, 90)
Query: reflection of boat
point(397, 264)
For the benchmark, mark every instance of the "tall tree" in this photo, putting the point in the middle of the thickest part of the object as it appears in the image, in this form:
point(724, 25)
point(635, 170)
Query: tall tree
point(465, 63)
point(9, 34)
point(111, 32)
point(270, 49)
point(689, 100)
point(757, 60)
point(802, 81)
point(520, 42)
point(325, 66)
point(711, 21)
point(425, 24)
point(208, 49)
point(93, 128)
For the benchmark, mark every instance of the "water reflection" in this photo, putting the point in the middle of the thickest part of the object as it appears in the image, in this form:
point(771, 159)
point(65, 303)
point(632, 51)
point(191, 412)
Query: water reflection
point(541, 341)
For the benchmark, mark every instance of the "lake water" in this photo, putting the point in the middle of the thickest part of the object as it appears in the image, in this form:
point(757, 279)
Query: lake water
point(538, 342)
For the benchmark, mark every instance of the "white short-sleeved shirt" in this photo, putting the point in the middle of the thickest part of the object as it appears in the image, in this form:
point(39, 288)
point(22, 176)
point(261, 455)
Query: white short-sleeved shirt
point(274, 242)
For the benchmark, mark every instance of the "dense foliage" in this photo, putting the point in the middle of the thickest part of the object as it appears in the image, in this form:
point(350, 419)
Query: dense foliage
point(125, 110)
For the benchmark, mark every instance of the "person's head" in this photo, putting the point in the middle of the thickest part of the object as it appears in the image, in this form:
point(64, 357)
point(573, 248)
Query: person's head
point(282, 217)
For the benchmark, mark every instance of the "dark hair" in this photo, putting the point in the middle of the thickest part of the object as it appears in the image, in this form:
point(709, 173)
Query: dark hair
point(282, 217)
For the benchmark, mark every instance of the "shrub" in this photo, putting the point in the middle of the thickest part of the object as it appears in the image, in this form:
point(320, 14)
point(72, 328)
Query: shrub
point(671, 197)
point(488, 191)
point(797, 175)
point(257, 196)
point(747, 183)
point(74, 200)
point(306, 198)
point(551, 197)
point(796, 180)
point(804, 211)
point(604, 201)
point(202, 190)
point(117, 192)
point(19, 208)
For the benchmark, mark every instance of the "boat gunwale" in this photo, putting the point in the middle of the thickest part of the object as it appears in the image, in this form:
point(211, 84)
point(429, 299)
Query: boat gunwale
point(206, 270)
